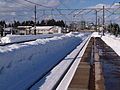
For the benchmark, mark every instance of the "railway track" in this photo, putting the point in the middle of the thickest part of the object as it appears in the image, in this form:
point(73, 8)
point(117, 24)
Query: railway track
point(110, 62)
point(61, 77)
point(84, 71)
point(99, 68)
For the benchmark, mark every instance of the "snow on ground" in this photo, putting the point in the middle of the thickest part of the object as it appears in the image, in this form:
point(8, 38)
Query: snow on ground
point(51, 79)
point(21, 64)
point(95, 34)
point(19, 38)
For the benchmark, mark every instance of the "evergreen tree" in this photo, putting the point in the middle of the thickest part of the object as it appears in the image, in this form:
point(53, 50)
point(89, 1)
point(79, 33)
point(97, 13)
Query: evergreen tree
point(51, 22)
point(114, 29)
point(43, 23)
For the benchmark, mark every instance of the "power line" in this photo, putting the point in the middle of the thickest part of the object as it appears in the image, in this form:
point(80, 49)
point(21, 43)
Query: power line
point(18, 3)
point(113, 12)
point(112, 3)
point(17, 9)
point(61, 14)
point(63, 4)
point(37, 4)
point(46, 7)
point(35, 20)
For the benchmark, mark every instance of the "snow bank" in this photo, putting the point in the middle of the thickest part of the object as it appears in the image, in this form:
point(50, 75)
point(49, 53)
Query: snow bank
point(21, 64)
point(19, 38)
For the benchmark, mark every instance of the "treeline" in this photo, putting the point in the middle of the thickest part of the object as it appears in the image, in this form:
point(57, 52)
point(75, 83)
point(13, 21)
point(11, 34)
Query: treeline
point(50, 22)
point(3, 24)
point(114, 29)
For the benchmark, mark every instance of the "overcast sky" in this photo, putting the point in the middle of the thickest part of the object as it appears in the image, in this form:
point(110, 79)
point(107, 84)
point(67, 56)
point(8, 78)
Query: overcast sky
point(22, 10)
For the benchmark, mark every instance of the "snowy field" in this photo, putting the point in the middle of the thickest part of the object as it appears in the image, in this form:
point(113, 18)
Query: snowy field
point(21, 64)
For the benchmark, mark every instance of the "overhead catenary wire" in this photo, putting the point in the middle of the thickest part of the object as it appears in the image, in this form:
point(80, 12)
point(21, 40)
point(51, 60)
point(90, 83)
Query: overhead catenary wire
point(27, 8)
point(61, 11)
point(37, 4)
point(113, 12)
point(63, 4)
point(15, 1)
point(47, 7)
point(21, 3)
point(112, 3)
point(62, 14)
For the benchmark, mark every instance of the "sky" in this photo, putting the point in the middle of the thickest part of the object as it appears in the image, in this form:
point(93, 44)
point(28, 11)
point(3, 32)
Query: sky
point(11, 10)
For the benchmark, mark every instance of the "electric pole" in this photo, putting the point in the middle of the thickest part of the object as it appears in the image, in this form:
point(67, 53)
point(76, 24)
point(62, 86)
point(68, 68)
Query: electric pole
point(35, 20)
point(103, 20)
point(99, 25)
point(96, 23)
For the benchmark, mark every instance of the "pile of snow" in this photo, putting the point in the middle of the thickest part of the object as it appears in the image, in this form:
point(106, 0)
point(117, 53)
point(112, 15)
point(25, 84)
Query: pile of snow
point(21, 63)
point(19, 38)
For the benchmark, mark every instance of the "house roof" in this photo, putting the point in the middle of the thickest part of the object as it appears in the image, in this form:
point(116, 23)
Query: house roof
point(38, 27)
point(24, 27)
point(8, 29)
point(43, 27)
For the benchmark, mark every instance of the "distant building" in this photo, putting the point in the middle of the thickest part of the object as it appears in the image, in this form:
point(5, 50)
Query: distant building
point(46, 29)
point(8, 30)
point(73, 26)
point(80, 25)
point(24, 30)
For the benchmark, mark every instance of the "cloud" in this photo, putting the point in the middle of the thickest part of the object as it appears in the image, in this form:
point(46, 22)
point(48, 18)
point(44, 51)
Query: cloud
point(53, 3)
point(13, 13)
point(6, 5)
point(21, 8)
point(116, 5)
point(100, 6)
